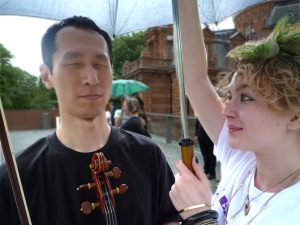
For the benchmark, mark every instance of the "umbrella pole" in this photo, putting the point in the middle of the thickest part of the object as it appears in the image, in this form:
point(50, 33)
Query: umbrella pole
point(187, 150)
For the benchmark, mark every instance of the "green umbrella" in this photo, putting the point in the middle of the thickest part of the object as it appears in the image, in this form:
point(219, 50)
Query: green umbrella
point(127, 87)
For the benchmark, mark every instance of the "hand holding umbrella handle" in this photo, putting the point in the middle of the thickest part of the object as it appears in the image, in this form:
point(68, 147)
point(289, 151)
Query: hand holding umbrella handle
point(187, 152)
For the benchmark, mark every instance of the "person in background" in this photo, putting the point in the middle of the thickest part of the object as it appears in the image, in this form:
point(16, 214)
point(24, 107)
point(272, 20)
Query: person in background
point(135, 123)
point(77, 64)
point(120, 117)
point(115, 106)
point(207, 150)
point(108, 112)
point(256, 130)
point(142, 113)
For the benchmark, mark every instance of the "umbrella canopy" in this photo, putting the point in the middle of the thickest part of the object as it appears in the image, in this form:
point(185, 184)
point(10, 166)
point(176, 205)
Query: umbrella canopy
point(127, 87)
point(121, 16)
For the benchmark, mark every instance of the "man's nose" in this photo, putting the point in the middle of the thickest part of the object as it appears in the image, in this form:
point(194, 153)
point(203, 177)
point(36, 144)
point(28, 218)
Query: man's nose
point(91, 76)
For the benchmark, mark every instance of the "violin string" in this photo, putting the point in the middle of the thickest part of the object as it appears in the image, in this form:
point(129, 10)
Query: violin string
point(107, 210)
point(113, 212)
point(109, 207)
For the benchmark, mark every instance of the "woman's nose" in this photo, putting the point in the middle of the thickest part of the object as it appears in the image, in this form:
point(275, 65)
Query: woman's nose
point(229, 109)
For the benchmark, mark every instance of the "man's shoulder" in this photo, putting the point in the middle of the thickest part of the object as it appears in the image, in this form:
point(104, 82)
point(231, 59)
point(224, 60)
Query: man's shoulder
point(33, 152)
point(132, 143)
point(28, 158)
point(131, 137)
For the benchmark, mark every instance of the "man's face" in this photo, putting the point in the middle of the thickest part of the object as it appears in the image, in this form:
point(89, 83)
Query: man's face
point(81, 74)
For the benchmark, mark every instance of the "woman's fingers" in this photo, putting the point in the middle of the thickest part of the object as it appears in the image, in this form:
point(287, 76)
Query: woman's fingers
point(189, 188)
point(199, 172)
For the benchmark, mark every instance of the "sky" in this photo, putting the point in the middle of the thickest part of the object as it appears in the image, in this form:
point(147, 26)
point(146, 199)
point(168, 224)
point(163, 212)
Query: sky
point(22, 37)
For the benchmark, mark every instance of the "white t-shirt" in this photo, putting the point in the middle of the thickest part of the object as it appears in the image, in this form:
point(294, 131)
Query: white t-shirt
point(237, 169)
point(120, 114)
point(108, 116)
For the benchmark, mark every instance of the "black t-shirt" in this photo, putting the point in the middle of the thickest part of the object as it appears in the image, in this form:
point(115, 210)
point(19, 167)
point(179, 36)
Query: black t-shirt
point(134, 124)
point(51, 172)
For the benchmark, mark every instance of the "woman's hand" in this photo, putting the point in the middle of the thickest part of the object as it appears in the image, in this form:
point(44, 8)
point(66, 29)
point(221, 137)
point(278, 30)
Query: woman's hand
point(190, 189)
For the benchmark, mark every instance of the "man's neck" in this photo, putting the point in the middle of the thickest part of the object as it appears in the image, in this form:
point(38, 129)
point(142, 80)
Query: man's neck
point(83, 135)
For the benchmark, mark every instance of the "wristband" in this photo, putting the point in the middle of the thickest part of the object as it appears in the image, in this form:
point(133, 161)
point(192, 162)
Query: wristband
point(194, 207)
point(208, 217)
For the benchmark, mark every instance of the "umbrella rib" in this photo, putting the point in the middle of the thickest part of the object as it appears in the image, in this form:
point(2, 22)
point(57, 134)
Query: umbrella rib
point(4, 3)
point(129, 14)
point(113, 9)
point(214, 9)
point(116, 17)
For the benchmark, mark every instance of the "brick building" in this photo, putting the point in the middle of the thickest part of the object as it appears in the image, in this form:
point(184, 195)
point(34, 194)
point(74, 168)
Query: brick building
point(155, 66)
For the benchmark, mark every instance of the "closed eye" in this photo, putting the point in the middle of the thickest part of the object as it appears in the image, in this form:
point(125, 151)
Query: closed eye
point(73, 64)
point(100, 66)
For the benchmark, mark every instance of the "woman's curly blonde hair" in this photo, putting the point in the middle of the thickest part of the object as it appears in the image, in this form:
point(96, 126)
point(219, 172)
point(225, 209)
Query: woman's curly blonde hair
point(271, 67)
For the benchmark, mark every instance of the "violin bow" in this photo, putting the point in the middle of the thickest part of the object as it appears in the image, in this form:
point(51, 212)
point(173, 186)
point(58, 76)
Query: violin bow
point(13, 172)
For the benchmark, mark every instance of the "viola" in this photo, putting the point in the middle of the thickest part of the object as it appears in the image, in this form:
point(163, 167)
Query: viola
point(105, 193)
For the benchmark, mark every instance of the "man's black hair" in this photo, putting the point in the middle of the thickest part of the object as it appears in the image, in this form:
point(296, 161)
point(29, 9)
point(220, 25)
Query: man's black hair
point(48, 40)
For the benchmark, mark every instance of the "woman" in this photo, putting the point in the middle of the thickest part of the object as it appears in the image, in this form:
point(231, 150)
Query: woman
point(134, 123)
point(256, 131)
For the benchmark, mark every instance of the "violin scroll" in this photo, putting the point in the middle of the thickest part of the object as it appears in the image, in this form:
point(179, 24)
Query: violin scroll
point(101, 184)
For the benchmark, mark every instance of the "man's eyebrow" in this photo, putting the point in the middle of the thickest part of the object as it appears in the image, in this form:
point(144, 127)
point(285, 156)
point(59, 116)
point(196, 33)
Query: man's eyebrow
point(72, 55)
point(101, 56)
point(77, 55)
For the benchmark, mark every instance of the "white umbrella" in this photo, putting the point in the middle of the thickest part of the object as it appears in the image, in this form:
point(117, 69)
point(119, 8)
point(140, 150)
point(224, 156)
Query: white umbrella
point(121, 16)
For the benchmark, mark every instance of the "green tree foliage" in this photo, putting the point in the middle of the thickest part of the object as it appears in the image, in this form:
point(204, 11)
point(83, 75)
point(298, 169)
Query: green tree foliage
point(5, 56)
point(19, 89)
point(126, 48)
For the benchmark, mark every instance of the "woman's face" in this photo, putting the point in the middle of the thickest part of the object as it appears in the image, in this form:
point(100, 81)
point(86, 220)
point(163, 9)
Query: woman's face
point(251, 124)
point(125, 108)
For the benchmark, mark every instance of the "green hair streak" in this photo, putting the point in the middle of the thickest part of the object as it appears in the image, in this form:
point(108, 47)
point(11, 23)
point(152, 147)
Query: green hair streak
point(283, 42)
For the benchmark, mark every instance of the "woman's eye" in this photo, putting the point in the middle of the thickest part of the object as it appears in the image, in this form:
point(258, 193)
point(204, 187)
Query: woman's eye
point(245, 98)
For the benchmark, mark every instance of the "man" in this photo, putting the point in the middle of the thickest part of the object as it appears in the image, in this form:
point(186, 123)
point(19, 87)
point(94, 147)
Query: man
point(77, 64)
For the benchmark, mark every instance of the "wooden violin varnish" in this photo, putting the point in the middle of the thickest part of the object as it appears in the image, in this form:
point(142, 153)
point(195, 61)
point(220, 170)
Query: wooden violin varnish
point(105, 193)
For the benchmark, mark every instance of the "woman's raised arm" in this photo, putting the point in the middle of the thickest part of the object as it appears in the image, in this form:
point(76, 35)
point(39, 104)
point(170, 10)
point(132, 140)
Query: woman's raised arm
point(201, 93)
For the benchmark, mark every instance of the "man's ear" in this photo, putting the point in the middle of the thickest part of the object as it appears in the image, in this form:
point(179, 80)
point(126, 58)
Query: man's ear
point(46, 76)
point(294, 122)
